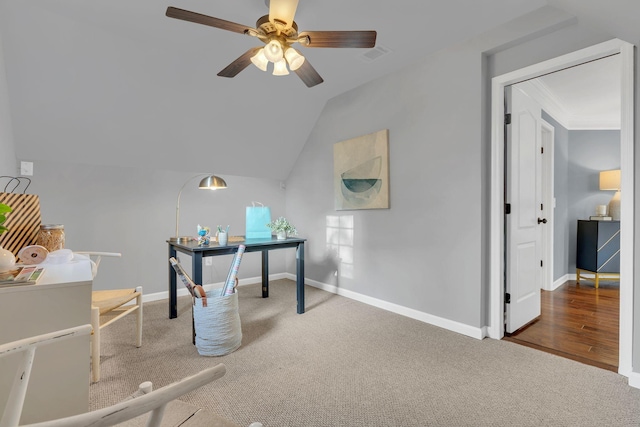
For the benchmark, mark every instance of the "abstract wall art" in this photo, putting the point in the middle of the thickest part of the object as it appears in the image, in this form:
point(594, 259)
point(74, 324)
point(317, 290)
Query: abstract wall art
point(361, 172)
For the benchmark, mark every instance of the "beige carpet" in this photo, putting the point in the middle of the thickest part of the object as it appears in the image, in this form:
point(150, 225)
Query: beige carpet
point(344, 363)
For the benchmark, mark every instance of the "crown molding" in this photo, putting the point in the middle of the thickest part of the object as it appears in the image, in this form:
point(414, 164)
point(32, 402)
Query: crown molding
point(550, 103)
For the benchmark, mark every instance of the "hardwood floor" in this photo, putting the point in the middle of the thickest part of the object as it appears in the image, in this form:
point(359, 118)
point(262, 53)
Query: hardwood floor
point(578, 322)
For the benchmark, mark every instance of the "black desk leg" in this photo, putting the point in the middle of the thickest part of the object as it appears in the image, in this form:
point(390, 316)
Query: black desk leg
point(196, 267)
point(265, 274)
point(300, 277)
point(173, 298)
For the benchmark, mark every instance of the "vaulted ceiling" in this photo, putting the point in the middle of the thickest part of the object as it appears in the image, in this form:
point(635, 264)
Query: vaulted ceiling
point(116, 82)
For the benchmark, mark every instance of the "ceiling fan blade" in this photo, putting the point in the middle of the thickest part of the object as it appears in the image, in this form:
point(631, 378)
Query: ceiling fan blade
point(239, 64)
point(185, 15)
point(283, 11)
point(308, 74)
point(339, 38)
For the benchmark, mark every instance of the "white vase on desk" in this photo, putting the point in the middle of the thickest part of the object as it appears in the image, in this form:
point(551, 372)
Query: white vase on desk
point(7, 260)
point(281, 235)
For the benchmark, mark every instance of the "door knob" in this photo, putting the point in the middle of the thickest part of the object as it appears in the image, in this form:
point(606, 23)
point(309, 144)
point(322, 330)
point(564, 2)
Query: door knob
point(543, 220)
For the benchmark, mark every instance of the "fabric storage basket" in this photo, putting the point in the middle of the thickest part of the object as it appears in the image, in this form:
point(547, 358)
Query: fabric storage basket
point(217, 324)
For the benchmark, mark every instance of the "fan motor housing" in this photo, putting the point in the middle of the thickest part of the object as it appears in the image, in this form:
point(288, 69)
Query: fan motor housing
point(268, 27)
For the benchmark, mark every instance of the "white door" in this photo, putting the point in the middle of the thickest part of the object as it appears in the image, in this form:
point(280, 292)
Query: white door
point(524, 221)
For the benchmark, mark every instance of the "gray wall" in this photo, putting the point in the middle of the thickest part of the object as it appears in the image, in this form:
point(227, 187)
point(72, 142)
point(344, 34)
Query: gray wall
point(578, 158)
point(589, 153)
point(424, 252)
point(7, 152)
point(133, 211)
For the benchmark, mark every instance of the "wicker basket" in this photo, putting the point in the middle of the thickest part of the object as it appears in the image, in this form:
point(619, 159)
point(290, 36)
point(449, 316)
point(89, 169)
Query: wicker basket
point(217, 324)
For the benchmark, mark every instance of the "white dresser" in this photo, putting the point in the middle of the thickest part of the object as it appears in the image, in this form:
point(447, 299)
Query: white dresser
point(59, 384)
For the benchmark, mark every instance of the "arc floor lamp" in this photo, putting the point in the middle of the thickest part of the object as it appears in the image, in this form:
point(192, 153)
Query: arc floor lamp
point(209, 182)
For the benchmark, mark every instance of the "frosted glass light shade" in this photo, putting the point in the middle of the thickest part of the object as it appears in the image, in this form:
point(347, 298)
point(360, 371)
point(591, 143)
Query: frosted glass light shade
point(260, 60)
point(283, 11)
point(280, 68)
point(294, 58)
point(273, 51)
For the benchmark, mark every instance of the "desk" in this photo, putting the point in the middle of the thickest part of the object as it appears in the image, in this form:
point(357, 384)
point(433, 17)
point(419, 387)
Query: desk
point(59, 383)
point(252, 245)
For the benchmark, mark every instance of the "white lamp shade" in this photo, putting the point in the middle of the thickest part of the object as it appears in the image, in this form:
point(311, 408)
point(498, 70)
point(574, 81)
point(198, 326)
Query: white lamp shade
point(294, 58)
point(610, 180)
point(280, 68)
point(273, 51)
point(259, 60)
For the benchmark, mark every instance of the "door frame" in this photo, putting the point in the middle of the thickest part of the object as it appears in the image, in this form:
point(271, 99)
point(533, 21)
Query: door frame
point(496, 246)
point(547, 134)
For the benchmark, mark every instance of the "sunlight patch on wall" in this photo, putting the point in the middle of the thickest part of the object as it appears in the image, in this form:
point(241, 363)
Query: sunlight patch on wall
point(340, 238)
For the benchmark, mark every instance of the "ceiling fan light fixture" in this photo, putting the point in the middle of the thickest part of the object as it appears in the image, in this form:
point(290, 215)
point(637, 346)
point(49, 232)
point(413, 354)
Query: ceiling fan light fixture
point(282, 11)
point(280, 68)
point(260, 60)
point(294, 58)
point(273, 51)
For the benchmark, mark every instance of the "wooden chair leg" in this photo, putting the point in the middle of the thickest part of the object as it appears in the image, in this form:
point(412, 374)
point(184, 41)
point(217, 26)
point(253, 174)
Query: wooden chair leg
point(139, 317)
point(95, 345)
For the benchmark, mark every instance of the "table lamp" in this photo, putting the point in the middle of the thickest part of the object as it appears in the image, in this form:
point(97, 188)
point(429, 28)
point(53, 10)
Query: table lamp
point(610, 180)
point(209, 182)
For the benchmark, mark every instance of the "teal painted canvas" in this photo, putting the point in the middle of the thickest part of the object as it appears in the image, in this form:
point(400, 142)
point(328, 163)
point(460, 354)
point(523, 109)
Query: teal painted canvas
point(361, 172)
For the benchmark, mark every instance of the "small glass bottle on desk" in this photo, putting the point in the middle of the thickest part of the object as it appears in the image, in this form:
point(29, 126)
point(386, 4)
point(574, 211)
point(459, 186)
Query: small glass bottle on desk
point(51, 237)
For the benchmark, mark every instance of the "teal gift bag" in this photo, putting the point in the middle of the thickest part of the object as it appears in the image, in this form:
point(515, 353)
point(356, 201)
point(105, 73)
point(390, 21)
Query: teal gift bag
point(257, 219)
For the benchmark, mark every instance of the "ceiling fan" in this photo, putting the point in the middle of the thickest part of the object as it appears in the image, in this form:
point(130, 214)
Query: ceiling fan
point(278, 31)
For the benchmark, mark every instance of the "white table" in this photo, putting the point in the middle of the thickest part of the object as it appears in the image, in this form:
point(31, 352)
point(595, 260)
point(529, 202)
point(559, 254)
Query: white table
point(59, 384)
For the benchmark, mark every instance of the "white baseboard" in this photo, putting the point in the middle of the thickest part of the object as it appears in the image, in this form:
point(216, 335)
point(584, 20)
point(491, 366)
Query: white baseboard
point(561, 281)
point(478, 333)
point(634, 379)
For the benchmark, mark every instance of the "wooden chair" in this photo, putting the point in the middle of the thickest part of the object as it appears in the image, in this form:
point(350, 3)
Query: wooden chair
point(28, 347)
point(145, 401)
point(107, 306)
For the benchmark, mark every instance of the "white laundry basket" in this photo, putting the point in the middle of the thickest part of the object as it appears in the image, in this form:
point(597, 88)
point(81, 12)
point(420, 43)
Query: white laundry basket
point(217, 325)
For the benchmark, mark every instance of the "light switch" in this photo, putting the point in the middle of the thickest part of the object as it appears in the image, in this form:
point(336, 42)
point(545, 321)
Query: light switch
point(26, 168)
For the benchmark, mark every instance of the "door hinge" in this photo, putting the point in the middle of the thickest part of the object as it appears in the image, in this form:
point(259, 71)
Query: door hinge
point(541, 150)
point(540, 263)
point(507, 119)
point(507, 298)
point(507, 208)
point(541, 206)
